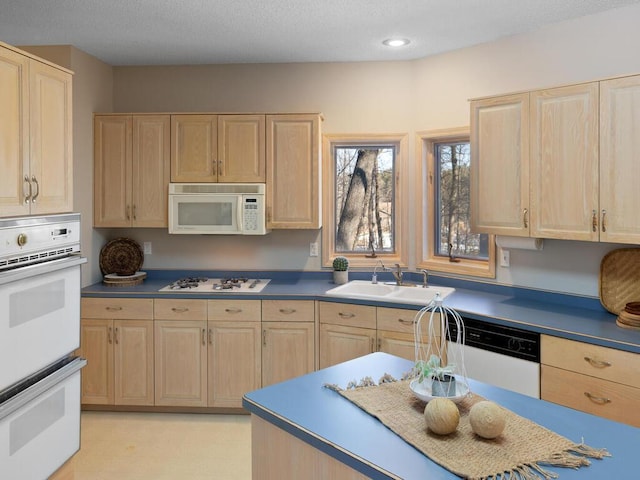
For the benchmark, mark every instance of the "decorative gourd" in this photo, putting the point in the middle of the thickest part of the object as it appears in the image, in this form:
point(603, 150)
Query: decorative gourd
point(487, 419)
point(441, 416)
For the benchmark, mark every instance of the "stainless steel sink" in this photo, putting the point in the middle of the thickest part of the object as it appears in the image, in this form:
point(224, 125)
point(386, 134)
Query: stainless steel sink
point(365, 290)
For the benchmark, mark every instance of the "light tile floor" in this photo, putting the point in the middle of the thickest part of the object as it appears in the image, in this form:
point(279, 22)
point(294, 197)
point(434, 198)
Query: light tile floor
point(163, 446)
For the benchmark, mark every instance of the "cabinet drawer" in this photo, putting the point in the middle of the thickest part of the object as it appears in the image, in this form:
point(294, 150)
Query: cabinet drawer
point(346, 314)
point(402, 320)
point(592, 395)
point(601, 362)
point(234, 310)
point(117, 308)
point(176, 309)
point(288, 311)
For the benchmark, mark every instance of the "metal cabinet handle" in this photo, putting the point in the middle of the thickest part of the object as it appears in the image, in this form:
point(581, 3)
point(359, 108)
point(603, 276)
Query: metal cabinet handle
point(220, 168)
point(594, 221)
point(379, 344)
point(264, 338)
point(406, 322)
point(604, 220)
point(597, 363)
point(27, 197)
point(210, 337)
point(134, 212)
point(113, 309)
point(525, 218)
point(346, 315)
point(596, 399)
point(117, 340)
point(287, 311)
point(128, 213)
point(179, 309)
point(204, 336)
point(373, 345)
point(109, 335)
point(233, 310)
point(35, 195)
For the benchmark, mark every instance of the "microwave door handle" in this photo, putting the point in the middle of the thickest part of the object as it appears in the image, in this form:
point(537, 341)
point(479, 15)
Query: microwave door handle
point(239, 215)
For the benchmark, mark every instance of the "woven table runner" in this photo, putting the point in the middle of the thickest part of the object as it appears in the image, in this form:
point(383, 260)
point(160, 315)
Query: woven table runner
point(518, 453)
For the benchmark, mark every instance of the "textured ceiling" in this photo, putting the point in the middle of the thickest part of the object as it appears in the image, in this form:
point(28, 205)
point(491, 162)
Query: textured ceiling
point(164, 32)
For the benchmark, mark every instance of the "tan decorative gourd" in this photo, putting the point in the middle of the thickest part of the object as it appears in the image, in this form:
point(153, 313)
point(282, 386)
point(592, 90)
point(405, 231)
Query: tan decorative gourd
point(441, 416)
point(487, 419)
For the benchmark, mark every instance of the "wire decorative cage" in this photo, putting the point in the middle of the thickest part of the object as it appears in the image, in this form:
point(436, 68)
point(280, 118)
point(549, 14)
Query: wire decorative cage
point(439, 354)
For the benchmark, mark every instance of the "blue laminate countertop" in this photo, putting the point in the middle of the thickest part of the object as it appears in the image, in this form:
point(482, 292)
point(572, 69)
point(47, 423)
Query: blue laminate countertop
point(567, 316)
point(332, 424)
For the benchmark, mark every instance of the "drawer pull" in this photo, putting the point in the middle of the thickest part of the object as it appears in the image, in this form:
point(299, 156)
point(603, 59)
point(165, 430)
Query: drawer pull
point(179, 309)
point(113, 309)
point(233, 310)
point(346, 315)
point(287, 311)
point(595, 399)
point(597, 363)
point(406, 322)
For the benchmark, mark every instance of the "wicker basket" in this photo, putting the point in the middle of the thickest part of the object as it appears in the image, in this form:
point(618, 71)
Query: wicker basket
point(620, 279)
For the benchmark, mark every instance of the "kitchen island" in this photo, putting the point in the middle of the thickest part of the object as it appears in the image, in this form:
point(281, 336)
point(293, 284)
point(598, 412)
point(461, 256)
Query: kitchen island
point(302, 430)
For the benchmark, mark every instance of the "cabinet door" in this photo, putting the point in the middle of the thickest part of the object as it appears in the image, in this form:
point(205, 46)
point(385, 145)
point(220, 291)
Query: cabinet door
point(241, 148)
point(96, 345)
point(619, 166)
point(112, 137)
point(133, 362)
point(194, 148)
point(51, 156)
point(500, 165)
point(287, 350)
point(340, 343)
point(150, 170)
point(180, 363)
point(293, 171)
point(399, 344)
point(14, 133)
point(564, 162)
point(234, 362)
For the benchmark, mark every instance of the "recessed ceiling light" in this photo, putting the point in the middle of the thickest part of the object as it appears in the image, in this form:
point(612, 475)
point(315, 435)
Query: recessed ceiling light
point(396, 42)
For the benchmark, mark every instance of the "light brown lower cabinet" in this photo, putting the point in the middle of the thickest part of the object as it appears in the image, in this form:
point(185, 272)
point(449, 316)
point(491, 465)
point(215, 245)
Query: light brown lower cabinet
point(288, 339)
point(119, 352)
point(594, 379)
point(346, 332)
point(234, 351)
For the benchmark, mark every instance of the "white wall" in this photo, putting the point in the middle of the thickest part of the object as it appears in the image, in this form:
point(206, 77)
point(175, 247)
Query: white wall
point(393, 97)
point(586, 49)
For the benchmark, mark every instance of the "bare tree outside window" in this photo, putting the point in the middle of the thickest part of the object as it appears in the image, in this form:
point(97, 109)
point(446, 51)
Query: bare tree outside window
point(364, 198)
point(453, 181)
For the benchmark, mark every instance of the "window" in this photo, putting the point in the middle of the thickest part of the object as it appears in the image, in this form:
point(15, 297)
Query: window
point(446, 239)
point(363, 210)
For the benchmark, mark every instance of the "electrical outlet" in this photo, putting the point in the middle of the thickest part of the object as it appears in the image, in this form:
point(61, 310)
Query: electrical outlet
point(147, 248)
point(313, 249)
point(504, 258)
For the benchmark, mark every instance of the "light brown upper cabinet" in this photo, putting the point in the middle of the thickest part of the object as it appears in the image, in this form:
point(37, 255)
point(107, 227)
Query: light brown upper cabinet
point(500, 165)
point(36, 136)
point(131, 170)
point(619, 165)
point(564, 162)
point(293, 171)
point(218, 148)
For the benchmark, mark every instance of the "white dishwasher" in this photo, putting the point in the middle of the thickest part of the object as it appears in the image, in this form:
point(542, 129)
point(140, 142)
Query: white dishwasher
point(503, 356)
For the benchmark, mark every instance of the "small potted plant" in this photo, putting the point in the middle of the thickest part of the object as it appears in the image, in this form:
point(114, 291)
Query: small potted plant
point(340, 270)
point(443, 382)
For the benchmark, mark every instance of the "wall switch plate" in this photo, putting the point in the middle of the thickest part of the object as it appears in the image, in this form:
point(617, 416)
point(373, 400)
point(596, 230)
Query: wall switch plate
point(147, 248)
point(313, 249)
point(504, 258)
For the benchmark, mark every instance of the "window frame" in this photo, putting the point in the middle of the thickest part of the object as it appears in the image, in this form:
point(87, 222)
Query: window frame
point(426, 257)
point(400, 142)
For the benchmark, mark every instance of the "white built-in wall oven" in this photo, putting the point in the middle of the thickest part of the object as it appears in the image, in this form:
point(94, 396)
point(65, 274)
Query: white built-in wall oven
point(40, 265)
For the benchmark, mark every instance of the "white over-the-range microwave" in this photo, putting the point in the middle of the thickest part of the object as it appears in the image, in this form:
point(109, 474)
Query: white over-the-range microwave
point(217, 208)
